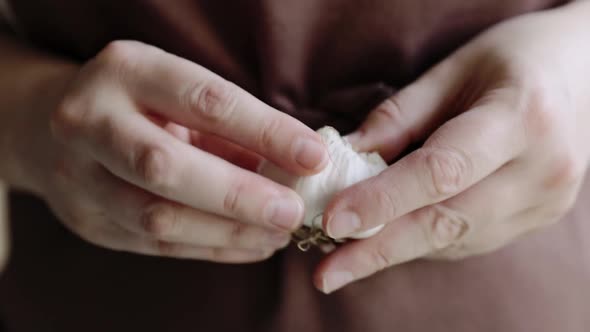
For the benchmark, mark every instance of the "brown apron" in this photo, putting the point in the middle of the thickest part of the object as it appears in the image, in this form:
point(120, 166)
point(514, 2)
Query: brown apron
point(324, 62)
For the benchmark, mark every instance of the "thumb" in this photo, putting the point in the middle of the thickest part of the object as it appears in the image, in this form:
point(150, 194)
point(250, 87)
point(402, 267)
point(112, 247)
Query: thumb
point(413, 113)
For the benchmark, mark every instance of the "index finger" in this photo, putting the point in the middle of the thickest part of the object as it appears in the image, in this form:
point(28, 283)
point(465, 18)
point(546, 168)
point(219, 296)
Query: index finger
point(458, 155)
point(193, 96)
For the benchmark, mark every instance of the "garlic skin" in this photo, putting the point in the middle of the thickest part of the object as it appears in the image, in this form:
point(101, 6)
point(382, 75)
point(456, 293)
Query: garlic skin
point(345, 168)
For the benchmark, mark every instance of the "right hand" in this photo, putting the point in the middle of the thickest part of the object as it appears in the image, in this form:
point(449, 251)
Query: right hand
point(150, 153)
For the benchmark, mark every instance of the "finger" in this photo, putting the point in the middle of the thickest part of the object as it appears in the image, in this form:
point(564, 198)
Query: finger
point(227, 150)
point(116, 238)
point(180, 132)
point(412, 113)
point(468, 223)
point(148, 216)
point(142, 153)
point(213, 144)
point(177, 224)
point(192, 96)
point(495, 235)
point(458, 155)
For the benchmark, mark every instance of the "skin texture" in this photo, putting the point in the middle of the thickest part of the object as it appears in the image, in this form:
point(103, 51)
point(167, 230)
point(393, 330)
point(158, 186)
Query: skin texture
point(123, 148)
point(504, 124)
point(109, 146)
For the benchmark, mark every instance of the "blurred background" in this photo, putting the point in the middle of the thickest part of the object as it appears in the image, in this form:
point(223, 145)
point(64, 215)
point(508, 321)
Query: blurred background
point(3, 228)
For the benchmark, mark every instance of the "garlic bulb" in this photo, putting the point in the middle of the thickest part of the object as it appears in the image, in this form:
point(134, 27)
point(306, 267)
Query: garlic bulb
point(345, 168)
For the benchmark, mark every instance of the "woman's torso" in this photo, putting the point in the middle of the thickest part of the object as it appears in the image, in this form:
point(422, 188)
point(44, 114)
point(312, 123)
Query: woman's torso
point(325, 62)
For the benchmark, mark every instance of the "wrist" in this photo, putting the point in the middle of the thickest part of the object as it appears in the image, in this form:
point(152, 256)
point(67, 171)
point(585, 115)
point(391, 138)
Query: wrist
point(26, 144)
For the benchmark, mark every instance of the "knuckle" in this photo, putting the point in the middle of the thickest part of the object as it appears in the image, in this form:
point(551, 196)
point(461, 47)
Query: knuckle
point(449, 169)
point(566, 171)
point(119, 51)
point(390, 110)
point(385, 201)
point(120, 58)
point(152, 165)
point(539, 114)
point(212, 102)
point(381, 257)
point(108, 133)
point(236, 233)
point(232, 199)
point(443, 227)
point(269, 132)
point(69, 118)
point(160, 220)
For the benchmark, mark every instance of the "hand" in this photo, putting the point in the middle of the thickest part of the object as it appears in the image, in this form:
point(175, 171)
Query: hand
point(505, 125)
point(144, 155)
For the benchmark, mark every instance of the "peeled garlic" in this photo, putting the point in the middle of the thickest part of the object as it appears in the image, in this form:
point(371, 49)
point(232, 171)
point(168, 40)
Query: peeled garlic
point(345, 168)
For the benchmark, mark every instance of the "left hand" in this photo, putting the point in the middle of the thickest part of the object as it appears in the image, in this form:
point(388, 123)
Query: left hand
point(506, 124)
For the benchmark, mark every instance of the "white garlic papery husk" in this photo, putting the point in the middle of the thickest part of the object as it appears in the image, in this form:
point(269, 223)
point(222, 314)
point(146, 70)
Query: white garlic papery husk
point(345, 168)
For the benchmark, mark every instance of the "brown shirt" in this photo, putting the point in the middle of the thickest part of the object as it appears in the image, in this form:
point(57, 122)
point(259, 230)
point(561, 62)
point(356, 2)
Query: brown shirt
point(325, 62)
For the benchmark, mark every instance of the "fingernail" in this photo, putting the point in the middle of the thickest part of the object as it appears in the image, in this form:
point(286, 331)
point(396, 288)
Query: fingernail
point(309, 154)
point(334, 280)
point(284, 213)
point(279, 239)
point(343, 223)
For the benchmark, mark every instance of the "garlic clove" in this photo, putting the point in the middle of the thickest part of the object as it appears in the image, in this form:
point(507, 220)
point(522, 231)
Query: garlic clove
point(345, 168)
